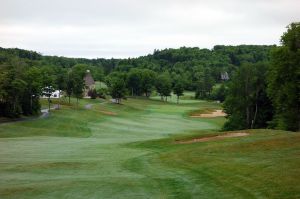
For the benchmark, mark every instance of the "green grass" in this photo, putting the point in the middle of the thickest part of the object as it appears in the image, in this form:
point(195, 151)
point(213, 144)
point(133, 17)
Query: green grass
point(80, 153)
point(100, 85)
point(187, 98)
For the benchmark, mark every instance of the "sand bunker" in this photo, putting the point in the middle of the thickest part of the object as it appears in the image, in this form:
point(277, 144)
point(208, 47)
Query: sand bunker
point(218, 137)
point(216, 113)
point(108, 113)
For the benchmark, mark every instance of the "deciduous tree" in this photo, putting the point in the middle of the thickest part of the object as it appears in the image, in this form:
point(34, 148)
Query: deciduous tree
point(178, 89)
point(284, 80)
point(246, 103)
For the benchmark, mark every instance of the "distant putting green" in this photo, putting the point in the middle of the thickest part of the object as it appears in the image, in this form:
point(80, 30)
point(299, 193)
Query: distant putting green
point(187, 98)
point(130, 151)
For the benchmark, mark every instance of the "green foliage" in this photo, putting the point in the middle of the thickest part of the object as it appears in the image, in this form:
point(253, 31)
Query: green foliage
point(134, 81)
point(78, 85)
point(116, 83)
point(164, 85)
point(291, 38)
point(97, 72)
point(19, 89)
point(80, 70)
point(197, 69)
point(246, 103)
point(183, 62)
point(76, 81)
point(102, 92)
point(30, 100)
point(141, 81)
point(219, 93)
point(204, 84)
point(148, 79)
point(61, 79)
point(178, 89)
point(284, 80)
point(69, 84)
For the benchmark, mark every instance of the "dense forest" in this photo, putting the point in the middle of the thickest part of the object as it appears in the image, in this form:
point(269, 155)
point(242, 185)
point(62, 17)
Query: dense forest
point(254, 80)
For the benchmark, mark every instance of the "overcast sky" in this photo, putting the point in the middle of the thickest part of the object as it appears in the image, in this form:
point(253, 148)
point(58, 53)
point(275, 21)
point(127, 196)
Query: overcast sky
point(130, 28)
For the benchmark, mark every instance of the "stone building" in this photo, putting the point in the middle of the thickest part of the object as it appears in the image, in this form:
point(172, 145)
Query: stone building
point(89, 83)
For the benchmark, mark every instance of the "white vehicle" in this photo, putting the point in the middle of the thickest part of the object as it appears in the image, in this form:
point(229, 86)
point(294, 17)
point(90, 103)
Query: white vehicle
point(55, 94)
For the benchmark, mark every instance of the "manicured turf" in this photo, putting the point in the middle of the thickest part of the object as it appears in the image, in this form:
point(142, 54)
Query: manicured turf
point(129, 151)
point(187, 98)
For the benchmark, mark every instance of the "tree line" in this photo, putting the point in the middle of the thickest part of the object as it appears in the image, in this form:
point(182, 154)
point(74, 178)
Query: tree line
point(142, 82)
point(267, 94)
point(24, 81)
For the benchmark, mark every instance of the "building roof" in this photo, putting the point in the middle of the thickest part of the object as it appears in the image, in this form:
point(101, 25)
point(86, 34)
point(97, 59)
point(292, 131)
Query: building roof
point(224, 76)
point(88, 79)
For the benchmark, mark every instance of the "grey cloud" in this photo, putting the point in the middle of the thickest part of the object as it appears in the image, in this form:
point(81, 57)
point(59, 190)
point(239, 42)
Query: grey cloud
point(123, 28)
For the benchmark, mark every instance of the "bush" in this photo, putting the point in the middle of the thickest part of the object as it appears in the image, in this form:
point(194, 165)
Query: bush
point(102, 92)
point(218, 93)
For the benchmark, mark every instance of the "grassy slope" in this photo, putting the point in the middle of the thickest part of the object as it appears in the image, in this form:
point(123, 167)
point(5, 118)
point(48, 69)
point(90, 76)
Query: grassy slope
point(90, 154)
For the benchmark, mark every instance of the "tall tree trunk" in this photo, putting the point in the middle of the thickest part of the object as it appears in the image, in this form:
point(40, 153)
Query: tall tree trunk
point(49, 104)
point(58, 107)
point(30, 103)
point(256, 107)
point(177, 99)
point(248, 116)
point(14, 107)
point(254, 118)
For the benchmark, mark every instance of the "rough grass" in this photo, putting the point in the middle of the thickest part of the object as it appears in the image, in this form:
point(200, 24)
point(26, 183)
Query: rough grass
point(79, 153)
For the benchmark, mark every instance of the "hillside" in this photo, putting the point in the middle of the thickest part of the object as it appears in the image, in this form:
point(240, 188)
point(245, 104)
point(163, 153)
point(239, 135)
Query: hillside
point(105, 150)
point(182, 60)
